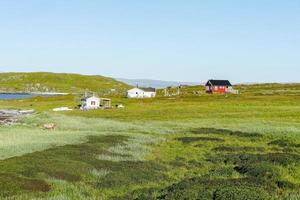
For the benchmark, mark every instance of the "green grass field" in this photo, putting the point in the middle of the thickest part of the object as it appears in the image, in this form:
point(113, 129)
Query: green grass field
point(210, 147)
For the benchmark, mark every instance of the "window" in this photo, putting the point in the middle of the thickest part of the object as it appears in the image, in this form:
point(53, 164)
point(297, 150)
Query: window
point(93, 103)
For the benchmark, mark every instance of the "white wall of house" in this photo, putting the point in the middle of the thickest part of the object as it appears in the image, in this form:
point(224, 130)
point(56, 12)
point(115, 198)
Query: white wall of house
point(149, 94)
point(90, 103)
point(139, 93)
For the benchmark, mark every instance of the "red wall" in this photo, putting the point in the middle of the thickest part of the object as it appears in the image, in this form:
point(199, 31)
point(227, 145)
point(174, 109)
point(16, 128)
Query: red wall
point(217, 89)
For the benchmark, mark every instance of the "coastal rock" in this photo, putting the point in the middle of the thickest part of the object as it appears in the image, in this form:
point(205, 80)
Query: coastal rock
point(9, 117)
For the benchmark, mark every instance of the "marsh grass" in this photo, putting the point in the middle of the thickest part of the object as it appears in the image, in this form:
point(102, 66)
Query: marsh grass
point(30, 136)
point(68, 167)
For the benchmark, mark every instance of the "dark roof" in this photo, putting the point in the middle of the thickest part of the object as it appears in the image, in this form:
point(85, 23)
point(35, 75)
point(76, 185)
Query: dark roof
point(218, 82)
point(149, 89)
point(85, 98)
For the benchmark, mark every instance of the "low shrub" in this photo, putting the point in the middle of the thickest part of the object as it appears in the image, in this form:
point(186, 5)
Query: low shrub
point(236, 148)
point(262, 170)
point(284, 143)
point(178, 162)
point(187, 140)
point(136, 173)
point(11, 184)
point(285, 185)
point(194, 163)
point(273, 158)
point(209, 189)
point(240, 193)
point(225, 132)
point(221, 172)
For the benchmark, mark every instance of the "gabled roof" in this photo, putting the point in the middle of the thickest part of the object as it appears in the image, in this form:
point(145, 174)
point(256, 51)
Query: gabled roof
point(218, 83)
point(85, 98)
point(135, 89)
point(149, 89)
point(144, 89)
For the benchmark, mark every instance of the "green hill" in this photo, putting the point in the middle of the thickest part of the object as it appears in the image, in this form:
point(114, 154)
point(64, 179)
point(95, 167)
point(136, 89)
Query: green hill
point(58, 82)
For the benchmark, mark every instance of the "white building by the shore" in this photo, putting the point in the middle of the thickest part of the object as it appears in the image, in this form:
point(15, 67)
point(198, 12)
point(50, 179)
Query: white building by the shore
point(141, 93)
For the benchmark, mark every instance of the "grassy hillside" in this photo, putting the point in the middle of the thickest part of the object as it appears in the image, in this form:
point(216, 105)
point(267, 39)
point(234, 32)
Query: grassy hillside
point(57, 82)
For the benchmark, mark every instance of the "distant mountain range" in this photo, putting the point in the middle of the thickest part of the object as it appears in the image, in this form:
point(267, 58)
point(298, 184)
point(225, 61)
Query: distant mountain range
point(154, 83)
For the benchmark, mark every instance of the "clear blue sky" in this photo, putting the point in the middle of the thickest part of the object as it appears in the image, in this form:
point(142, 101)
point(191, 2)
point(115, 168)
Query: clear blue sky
point(187, 40)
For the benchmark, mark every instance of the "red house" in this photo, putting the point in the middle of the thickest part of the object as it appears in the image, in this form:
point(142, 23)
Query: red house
point(218, 86)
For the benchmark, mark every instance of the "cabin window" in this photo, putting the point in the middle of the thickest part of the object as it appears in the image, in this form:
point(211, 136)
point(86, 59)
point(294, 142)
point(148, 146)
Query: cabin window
point(93, 103)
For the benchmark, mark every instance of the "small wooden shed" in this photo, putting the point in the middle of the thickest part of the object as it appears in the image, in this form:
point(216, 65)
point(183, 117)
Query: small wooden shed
point(105, 102)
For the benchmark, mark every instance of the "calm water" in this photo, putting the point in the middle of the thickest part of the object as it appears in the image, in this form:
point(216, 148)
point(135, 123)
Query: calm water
point(21, 96)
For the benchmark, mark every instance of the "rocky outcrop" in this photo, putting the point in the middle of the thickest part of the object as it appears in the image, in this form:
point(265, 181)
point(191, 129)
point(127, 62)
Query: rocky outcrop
point(9, 117)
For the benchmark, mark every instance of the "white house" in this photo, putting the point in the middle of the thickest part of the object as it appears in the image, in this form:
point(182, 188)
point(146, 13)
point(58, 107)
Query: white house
point(141, 93)
point(89, 103)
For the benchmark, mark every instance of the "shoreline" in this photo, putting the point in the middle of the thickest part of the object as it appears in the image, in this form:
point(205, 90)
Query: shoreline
point(34, 93)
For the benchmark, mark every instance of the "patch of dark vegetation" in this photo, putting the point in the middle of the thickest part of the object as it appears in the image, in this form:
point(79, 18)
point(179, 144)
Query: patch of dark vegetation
point(237, 148)
point(283, 159)
point(140, 194)
point(194, 163)
point(11, 184)
point(261, 179)
point(128, 172)
point(187, 140)
point(225, 132)
point(260, 167)
point(178, 162)
point(262, 170)
point(207, 189)
point(221, 171)
point(63, 175)
point(199, 145)
point(203, 188)
point(285, 185)
point(284, 143)
point(71, 161)
point(68, 163)
point(234, 193)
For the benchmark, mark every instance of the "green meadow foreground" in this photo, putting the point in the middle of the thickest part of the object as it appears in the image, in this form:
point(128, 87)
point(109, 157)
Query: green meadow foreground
point(210, 147)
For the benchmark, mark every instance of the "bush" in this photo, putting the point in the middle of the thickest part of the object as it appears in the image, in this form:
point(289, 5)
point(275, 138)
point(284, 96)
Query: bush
point(283, 143)
point(221, 172)
point(240, 193)
point(187, 140)
point(285, 185)
point(225, 132)
point(206, 188)
point(235, 149)
point(263, 170)
point(273, 158)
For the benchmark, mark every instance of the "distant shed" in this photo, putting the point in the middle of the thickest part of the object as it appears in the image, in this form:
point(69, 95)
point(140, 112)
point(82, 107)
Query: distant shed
point(105, 102)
